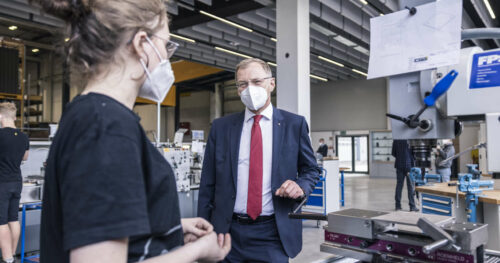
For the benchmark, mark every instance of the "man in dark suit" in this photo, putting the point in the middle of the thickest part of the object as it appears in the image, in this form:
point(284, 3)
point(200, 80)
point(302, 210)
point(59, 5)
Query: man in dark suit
point(258, 166)
point(404, 162)
point(323, 148)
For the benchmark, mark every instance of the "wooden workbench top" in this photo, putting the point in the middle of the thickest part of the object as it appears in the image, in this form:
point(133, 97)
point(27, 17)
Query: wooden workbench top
point(491, 196)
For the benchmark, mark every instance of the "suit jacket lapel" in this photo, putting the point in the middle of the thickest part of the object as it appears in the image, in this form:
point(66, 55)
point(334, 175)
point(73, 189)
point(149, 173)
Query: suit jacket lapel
point(235, 137)
point(278, 132)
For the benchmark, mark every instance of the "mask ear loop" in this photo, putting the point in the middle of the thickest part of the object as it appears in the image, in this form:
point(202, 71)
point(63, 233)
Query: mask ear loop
point(145, 68)
point(155, 49)
point(157, 53)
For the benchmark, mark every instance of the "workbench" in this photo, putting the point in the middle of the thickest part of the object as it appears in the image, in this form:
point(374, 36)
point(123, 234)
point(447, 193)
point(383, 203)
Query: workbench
point(441, 199)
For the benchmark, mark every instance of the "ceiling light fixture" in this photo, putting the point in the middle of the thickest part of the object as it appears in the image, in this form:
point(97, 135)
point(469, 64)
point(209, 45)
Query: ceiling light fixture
point(35, 50)
point(318, 77)
point(322, 29)
point(272, 64)
point(225, 21)
point(364, 2)
point(274, 39)
point(360, 72)
point(362, 50)
point(345, 41)
point(183, 38)
point(12, 28)
point(232, 52)
point(490, 10)
point(331, 61)
point(66, 39)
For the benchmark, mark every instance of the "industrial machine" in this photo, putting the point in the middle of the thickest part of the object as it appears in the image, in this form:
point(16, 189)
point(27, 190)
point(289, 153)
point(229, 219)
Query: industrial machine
point(440, 98)
point(186, 163)
point(374, 236)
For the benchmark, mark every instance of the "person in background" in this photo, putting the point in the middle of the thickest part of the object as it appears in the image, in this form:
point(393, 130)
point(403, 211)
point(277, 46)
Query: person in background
point(323, 148)
point(404, 162)
point(259, 164)
point(109, 195)
point(14, 148)
point(443, 153)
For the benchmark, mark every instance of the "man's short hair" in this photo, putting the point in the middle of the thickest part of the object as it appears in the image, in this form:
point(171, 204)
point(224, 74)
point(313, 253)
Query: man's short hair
point(8, 109)
point(244, 64)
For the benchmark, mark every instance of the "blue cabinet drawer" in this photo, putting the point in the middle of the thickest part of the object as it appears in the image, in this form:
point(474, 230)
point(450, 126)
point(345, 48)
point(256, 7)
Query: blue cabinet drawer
point(436, 199)
point(315, 200)
point(318, 191)
point(438, 205)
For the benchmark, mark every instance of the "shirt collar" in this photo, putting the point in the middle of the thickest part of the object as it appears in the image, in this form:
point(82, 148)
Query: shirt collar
point(267, 113)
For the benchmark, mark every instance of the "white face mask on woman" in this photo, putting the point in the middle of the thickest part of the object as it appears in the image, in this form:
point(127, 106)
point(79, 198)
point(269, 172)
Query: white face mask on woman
point(254, 97)
point(158, 82)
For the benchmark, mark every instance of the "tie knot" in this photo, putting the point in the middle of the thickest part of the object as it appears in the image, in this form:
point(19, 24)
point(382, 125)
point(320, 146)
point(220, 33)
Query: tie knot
point(257, 118)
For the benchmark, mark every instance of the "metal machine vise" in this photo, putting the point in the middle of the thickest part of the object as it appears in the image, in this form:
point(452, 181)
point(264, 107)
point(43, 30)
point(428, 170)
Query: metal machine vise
point(419, 180)
point(472, 169)
point(473, 189)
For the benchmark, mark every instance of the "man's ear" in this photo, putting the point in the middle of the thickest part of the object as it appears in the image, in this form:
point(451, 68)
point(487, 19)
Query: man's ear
point(272, 84)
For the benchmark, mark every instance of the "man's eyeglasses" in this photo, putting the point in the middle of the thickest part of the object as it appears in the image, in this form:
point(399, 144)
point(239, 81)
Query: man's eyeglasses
point(255, 82)
point(170, 46)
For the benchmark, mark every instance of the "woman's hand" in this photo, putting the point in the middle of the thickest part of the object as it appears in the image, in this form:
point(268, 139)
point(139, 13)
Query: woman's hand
point(195, 228)
point(213, 248)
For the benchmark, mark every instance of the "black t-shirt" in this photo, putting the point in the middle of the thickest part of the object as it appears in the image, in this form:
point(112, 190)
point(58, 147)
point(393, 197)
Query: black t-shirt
point(13, 145)
point(106, 181)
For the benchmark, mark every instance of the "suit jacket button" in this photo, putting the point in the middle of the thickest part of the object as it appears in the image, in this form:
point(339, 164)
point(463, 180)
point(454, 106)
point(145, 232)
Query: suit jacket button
point(234, 197)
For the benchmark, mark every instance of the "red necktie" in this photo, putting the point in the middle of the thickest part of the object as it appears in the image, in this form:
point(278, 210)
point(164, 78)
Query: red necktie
point(254, 201)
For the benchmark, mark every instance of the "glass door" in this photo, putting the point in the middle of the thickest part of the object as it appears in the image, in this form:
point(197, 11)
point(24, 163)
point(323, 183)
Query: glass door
point(344, 152)
point(352, 151)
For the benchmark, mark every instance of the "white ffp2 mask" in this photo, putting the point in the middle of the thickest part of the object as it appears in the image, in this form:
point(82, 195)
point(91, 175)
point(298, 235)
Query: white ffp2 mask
point(254, 97)
point(158, 82)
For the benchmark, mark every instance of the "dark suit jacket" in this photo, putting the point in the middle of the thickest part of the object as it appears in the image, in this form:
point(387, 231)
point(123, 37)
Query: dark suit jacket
point(293, 159)
point(323, 149)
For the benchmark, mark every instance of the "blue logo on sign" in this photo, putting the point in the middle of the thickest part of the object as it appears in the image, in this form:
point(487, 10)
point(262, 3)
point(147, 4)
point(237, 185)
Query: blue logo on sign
point(485, 71)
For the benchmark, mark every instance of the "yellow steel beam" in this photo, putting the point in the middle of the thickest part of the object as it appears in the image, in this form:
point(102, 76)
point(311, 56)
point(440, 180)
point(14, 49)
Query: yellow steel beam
point(183, 70)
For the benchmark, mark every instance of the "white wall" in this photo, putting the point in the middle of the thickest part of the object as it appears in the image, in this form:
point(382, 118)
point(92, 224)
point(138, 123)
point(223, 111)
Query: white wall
point(349, 105)
point(148, 115)
point(195, 109)
point(468, 138)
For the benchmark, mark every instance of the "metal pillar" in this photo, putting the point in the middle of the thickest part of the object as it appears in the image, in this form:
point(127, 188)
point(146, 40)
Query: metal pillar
point(293, 83)
point(216, 102)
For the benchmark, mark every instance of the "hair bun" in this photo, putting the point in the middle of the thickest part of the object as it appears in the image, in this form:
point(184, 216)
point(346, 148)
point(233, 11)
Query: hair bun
point(67, 10)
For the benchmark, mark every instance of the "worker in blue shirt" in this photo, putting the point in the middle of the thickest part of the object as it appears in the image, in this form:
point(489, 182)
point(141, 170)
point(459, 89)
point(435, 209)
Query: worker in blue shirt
point(404, 162)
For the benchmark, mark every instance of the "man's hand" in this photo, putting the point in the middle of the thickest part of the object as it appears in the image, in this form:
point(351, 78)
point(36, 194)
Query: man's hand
point(194, 228)
point(290, 189)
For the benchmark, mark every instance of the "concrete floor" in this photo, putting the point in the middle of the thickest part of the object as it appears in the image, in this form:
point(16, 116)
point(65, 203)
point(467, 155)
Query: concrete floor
point(360, 192)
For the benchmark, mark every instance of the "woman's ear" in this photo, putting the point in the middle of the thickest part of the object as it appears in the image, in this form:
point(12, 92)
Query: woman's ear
point(138, 45)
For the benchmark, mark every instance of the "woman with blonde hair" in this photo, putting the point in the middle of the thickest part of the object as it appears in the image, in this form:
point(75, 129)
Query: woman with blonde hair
point(109, 195)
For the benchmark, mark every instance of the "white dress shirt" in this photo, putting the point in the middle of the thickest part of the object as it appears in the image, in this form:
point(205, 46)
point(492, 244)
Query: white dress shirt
point(266, 126)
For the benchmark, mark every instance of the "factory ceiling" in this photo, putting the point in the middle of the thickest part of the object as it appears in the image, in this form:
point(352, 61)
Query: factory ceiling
point(222, 32)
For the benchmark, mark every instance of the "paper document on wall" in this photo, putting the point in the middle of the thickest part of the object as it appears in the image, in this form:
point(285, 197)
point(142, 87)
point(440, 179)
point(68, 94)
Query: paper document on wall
point(401, 43)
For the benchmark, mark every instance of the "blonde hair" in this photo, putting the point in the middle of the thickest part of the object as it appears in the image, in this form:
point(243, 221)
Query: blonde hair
point(246, 62)
point(97, 28)
point(8, 109)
